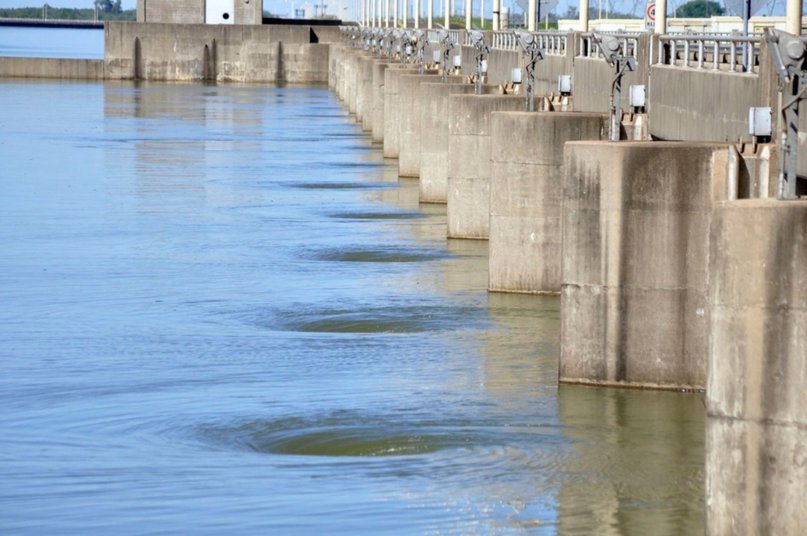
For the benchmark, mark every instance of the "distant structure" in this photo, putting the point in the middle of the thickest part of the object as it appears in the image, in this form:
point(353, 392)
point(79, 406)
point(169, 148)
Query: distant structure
point(200, 11)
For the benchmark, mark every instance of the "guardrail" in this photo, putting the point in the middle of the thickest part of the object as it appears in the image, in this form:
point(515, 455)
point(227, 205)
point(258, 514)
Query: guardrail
point(713, 52)
point(456, 36)
point(589, 49)
point(553, 43)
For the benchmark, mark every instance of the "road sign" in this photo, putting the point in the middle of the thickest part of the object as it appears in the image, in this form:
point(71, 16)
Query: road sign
point(650, 15)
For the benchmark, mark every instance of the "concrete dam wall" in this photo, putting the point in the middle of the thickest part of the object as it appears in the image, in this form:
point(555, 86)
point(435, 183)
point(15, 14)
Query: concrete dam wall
point(671, 275)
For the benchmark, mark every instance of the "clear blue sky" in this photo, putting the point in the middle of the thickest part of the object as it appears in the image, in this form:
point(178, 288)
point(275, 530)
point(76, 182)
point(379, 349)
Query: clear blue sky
point(87, 4)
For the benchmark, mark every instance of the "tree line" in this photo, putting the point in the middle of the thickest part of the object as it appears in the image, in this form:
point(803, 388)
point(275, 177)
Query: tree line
point(106, 9)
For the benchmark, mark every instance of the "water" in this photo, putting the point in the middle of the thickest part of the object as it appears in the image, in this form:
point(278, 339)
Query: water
point(223, 313)
point(77, 43)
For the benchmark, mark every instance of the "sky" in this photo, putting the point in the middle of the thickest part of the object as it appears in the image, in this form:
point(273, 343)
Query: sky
point(85, 4)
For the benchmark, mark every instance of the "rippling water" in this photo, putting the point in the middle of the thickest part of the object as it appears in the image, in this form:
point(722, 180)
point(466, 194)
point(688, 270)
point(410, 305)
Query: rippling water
point(222, 312)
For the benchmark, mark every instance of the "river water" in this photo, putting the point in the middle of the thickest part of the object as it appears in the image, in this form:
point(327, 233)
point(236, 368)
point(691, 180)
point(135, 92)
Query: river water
point(77, 43)
point(222, 312)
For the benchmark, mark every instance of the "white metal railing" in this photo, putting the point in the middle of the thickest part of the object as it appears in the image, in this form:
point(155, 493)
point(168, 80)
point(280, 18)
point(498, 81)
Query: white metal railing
point(456, 35)
point(712, 52)
point(504, 41)
point(630, 44)
point(553, 43)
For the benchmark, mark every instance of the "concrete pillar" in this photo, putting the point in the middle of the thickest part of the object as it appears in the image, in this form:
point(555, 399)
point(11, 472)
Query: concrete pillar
point(496, 15)
point(447, 13)
point(430, 23)
point(756, 426)
point(392, 108)
point(364, 94)
point(661, 17)
point(531, 16)
point(352, 81)
point(468, 195)
point(406, 13)
point(409, 97)
point(635, 221)
point(525, 195)
point(583, 15)
point(379, 70)
point(469, 6)
point(793, 16)
point(417, 14)
point(434, 137)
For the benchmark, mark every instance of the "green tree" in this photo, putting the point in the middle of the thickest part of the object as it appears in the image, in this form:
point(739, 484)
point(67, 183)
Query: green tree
point(698, 9)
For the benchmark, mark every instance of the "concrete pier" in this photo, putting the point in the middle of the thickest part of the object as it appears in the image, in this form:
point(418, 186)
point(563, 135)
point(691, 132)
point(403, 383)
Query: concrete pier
point(377, 126)
point(635, 237)
point(469, 151)
point(392, 107)
point(525, 195)
point(409, 121)
point(756, 428)
point(434, 137)
point(364, 89)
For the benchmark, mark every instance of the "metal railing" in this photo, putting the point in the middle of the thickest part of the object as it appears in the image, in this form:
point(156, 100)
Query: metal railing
point(553, 43)
point(456, 36)
point(630, 44)
point(713, 52)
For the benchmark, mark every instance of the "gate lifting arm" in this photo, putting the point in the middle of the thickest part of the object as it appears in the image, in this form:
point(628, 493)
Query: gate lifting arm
point(446, 44)
point(529, 43)
point(420, 40)
point(388, 42)
point(482, 51)
point(611, 48)
point(790, 57)
point(407, 47)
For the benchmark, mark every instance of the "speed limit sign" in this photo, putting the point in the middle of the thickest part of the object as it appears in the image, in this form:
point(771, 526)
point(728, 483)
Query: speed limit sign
point(650, 15)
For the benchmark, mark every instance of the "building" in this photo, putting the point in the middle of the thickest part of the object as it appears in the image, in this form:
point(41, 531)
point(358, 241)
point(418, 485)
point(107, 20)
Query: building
point(200, 11)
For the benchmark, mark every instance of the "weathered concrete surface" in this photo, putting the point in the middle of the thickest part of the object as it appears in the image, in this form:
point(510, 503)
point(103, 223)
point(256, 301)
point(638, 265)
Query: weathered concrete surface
point(189, 52)
point(409, 121)
point(593, 78)
point(364, 90)
point(193, 11)
point(704, 112)
point(756, 427)
point(469, 142)
point(377, 128)
point(392, 108)
point(500, 63)
point(352, 81)
point(635, 224)
point(74, 69)
point(525, 195)
point(434, 112)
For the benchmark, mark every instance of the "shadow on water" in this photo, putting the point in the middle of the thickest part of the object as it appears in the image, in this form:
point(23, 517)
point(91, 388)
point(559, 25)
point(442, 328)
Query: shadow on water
point(391, 254)
point(393, 319)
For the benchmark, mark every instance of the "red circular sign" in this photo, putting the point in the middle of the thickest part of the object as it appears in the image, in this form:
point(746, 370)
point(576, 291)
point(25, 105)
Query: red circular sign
point(651, 11)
